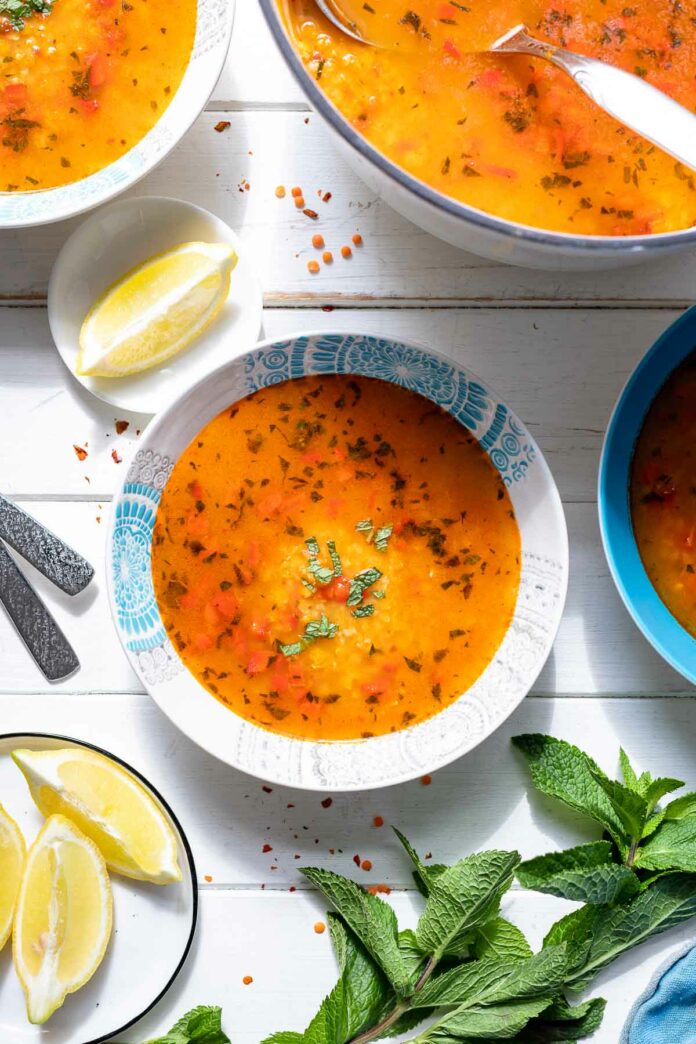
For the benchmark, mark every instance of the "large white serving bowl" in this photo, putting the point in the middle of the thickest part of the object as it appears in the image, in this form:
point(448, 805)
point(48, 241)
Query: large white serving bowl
point(380, 760)
point(464, 226)
point(213, 33)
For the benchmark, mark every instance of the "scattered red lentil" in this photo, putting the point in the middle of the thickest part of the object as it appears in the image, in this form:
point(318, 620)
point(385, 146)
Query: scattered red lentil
point(80, 452)
point(313, 267)
point(357, 239)
point(207, 878)
point(121, 426)
point(346, 251)
point(378, 821)
point(327, 802)
point(317, 241)
point(296, 191)
point(115, 457)
point(247, 980)
point(426, 780)
point(299, 202)
point(327, 257)
point(222, 125)
point(267, 848)
point(320, 927)
point(280, 191)
point(375, 889)
point(366, 864)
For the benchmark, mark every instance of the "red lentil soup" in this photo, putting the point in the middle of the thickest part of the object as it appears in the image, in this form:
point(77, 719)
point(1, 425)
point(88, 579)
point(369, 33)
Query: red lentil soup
point(335, 558)
point(511, 135)
point(663, 494)
point(83, 81)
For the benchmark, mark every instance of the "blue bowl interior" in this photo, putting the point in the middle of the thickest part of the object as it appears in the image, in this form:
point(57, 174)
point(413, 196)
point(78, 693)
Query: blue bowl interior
point(648, 610)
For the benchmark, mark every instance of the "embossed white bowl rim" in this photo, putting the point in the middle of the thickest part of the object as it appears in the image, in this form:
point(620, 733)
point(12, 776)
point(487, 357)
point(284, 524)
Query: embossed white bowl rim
point(41, 206)
point(381, 760)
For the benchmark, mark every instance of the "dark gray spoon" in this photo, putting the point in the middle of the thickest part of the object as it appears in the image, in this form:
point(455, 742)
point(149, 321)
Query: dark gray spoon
point(40, 632)
point(58, 562)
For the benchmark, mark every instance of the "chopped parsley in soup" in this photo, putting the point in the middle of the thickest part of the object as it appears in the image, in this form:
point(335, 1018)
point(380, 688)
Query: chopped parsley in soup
point(663, 494)
point(336, 558)
point(511, 135)
point(82, 81)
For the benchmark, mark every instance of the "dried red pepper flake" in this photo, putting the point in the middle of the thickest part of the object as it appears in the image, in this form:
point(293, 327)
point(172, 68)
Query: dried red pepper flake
point(80, 452)
point(379, 888)
point(222, 125)
point(292, 888)
point(267, 790)
point(267, 848)
point(356, 859)
point(378, 821)
point(310, 213)
point(121, 426)
point(327, 802)
point(115, 457)
point(426, 780)
point(326, 197)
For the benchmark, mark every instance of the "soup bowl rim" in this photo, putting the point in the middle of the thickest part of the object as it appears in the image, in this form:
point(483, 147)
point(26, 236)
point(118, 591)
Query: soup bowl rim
point(671, 640)
point(214, 24)
point(564, 242)
point(380, 760)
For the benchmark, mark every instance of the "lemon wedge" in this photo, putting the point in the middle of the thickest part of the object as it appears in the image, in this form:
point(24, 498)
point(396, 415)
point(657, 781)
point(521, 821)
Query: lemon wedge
point(156, 310)
point(12, 853)
point(108, 805)
point(64, 917)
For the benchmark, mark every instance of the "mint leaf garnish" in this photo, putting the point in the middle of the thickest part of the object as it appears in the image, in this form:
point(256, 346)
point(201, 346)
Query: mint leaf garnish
point(673, 846)
point(585, 874)
point(321, 628)
point(360, 583)
point(202, 1025)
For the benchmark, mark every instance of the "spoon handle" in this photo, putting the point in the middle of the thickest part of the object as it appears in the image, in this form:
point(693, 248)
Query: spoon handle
point(42, 635)
point(58, 562)
point(626, 97)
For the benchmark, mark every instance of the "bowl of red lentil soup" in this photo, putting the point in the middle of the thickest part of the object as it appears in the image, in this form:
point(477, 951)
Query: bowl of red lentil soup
point(94, 93)
point(339, 562)
point(503, 155)
point(647, 495)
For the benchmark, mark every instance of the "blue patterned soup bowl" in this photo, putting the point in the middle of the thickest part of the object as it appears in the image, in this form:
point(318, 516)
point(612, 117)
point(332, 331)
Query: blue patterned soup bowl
point(214, 20)
point(379, 760)
point(663, 630)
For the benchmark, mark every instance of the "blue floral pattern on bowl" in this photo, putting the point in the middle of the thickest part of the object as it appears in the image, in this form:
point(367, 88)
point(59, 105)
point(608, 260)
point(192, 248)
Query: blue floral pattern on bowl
point(380, 760)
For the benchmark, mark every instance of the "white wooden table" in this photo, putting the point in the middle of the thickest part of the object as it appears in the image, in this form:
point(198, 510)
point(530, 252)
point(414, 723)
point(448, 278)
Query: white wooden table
point(557, 347)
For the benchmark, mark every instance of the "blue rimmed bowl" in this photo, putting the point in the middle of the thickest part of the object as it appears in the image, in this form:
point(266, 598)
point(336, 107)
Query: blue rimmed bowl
point(379, 760)
point(644, 604)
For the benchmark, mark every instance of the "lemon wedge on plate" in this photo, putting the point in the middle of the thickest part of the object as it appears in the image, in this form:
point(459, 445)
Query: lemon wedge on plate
point(64, 917)
point(12, 853)
point(156, 310)
point(108, 805)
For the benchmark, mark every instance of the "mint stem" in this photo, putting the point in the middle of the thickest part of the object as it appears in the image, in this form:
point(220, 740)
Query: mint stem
point(376, 1031)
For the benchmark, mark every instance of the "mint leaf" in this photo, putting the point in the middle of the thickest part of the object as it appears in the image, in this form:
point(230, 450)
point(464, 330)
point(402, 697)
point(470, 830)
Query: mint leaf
point(584, 874)
point(372, 920)
point(672, 847)
point(423, 875)
point(463, 897)
point(631, 809)
point(681, 808)
point(498, 1022)
point(284, 1037)
point(360, 583)
point(561, 1022)
point(576, 930)
point(563, 771)
point(202, 1025)
point(366, 992)
point(630, 778)
point(659, 788)
point(499, 938)
point(666, 903)
point(492, 981)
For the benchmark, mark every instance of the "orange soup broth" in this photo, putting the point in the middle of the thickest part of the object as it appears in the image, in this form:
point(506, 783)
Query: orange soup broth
point(84, 83)
point(236, 577)
point(663, 494)
point(511, 135)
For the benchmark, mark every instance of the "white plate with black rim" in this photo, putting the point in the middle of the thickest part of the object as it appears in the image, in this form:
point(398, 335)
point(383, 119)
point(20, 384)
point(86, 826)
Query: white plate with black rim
point(153, 928)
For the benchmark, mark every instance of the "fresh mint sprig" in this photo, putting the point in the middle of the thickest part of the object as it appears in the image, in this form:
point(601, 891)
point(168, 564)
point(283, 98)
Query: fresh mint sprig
point(202, 1025)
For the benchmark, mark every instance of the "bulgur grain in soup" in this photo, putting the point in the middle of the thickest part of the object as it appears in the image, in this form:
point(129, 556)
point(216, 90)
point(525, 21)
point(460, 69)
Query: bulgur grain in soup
point(82, 81)
point(335, 558)
point(510, 135)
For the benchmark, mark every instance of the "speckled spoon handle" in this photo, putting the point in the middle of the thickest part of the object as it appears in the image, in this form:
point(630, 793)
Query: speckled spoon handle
point(47, 552)
point(42, 635)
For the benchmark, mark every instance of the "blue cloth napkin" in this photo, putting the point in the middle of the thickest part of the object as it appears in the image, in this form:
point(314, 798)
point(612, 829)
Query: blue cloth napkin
point(666, 1013)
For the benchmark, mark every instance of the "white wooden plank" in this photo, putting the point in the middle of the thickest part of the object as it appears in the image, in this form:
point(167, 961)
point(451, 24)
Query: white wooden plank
point(271, 937)
point(483, 800)
point(397, 262)
point(561, 374)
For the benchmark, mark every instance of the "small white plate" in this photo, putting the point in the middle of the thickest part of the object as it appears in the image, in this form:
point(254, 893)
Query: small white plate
point(153, 929)
point(117, 239)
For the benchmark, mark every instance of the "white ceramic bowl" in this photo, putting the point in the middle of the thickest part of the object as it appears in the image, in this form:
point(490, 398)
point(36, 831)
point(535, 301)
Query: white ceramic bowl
point(464, 226)
point(210, 47)
point(381, 760)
